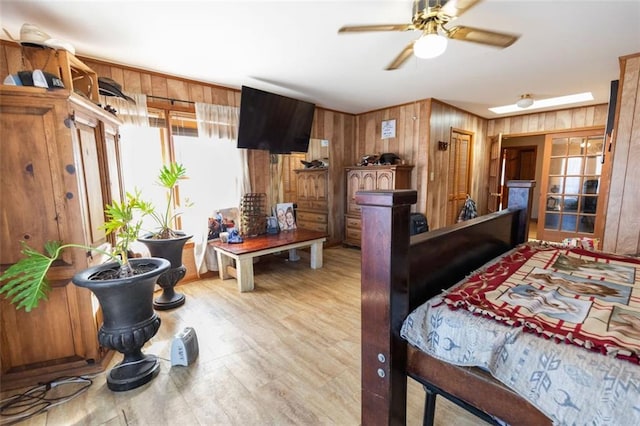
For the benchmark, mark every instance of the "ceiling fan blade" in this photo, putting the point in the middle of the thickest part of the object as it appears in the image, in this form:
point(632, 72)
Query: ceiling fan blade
point(381, 27)
point(481, 36)
point(458, 7)
point(402, 57)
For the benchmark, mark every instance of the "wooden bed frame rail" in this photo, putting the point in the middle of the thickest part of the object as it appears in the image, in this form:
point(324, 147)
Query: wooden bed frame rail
point(400, 272)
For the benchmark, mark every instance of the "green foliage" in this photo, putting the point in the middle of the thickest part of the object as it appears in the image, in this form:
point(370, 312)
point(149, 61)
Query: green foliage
point(168, 178)
point(25, 282)
point(121, 222)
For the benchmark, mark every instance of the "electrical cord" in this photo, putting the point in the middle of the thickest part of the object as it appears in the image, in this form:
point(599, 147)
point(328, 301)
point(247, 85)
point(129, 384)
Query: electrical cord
point(39, 399)
point(33, 401)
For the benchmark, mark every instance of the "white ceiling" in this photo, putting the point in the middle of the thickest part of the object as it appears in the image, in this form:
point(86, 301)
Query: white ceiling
point(293, 47)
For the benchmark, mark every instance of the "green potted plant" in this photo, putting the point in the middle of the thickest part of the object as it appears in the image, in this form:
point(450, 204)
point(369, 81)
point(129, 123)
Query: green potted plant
point(165, 241)
point(124, 288)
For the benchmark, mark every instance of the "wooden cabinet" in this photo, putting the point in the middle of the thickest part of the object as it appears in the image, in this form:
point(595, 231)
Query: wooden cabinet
point(312, 199)
point(370, 178)
point(59, 161)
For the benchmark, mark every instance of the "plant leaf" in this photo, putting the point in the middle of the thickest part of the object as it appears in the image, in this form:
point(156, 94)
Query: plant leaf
point(26, 282)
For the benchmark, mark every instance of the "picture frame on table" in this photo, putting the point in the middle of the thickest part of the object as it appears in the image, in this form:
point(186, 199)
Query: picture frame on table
point(286, 216)
point(223, 220)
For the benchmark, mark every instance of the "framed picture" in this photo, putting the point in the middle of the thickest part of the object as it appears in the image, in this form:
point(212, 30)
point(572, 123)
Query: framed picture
point(388, 129)
point(224, 220)
point(286, 216)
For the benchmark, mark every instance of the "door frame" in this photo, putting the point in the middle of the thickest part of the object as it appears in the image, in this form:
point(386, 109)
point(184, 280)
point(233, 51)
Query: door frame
point(469, 182)
point(605, 177)
point(504, 194)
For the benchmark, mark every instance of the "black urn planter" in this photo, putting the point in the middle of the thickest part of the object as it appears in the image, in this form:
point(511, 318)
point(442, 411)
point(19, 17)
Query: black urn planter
point(170, 249)
point(129, 320)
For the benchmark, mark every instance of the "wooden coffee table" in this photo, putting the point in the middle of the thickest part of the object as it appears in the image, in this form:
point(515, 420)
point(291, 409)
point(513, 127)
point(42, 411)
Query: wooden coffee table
point(243, 253)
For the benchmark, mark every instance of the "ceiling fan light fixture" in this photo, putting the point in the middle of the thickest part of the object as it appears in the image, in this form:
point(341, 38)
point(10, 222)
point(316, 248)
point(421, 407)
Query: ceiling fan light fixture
point(525, 101)
point(430, 46)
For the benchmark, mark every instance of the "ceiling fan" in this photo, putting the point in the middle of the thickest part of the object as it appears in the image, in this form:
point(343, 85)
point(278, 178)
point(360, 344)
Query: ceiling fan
point(430, 17)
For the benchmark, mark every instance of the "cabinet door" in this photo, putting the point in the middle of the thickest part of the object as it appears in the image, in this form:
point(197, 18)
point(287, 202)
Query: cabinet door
point(86, 134)
point(320, 186)
point(303, 186)
point(29, 191)
point(354, 184)
point(112, 163)
point(384, 179)
point(369, 181)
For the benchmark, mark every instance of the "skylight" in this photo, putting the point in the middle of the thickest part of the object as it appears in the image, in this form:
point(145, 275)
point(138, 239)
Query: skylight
point(545, 103)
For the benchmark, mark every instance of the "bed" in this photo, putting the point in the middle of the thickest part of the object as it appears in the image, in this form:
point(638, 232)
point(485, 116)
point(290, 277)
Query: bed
point(400, 273)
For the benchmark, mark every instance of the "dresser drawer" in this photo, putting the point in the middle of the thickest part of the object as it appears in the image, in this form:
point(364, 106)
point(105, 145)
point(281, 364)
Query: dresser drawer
point(311, 217)
point(353, 222)
point(353, 208)
point(353, 234)
point(313, 226)
point(304, 204)
point(319, 205)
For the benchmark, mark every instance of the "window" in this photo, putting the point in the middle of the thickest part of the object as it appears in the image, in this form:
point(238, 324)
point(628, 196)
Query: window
point(214, 167)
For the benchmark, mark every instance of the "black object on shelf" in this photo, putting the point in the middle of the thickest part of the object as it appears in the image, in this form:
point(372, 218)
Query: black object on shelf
point(418, 224)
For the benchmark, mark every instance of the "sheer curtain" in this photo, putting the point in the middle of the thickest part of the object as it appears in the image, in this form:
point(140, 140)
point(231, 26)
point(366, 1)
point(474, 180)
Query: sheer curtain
point(129, 112)
point(217, 170)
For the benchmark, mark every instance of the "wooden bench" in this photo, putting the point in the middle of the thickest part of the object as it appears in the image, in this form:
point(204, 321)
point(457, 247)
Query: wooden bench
point(243, 253)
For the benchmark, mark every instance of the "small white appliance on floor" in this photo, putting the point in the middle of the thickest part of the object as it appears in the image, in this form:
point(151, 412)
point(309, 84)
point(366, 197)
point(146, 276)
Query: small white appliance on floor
point(184, 348)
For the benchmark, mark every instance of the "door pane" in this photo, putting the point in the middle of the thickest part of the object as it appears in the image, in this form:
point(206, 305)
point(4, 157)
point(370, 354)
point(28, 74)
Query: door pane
point(572, 185)
point(593, 165)
point(556, 184)
point(559, 147)
point(574, 165)
point(576, 146)
point(556, 166)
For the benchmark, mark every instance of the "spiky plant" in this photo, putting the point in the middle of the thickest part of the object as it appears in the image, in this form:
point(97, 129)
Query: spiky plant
point(25, 282)
point(168, 178)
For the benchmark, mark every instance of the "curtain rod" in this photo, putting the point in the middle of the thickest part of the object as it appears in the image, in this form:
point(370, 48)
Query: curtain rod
point(171, 100)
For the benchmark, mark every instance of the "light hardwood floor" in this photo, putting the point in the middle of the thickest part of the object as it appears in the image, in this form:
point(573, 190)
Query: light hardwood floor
point(287, 353)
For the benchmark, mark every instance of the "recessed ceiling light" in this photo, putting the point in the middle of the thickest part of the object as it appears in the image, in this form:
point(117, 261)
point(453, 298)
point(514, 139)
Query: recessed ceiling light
point(545, 103)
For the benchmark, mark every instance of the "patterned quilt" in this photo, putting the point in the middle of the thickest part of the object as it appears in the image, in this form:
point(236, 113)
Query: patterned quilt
point(572, 386)
point(583, 297)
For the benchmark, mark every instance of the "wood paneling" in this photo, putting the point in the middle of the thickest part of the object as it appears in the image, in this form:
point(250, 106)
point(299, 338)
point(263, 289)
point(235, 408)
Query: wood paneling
point(622, 228)
point(336, 127)
point(552, 121)
point(419, 127)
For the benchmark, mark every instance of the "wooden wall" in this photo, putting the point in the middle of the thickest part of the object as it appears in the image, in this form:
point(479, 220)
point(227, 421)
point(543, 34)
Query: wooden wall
point(410, 143)
point(444, 119)
point(419, 127)
point(622, 228)
point(551, 121)
point(334, 126)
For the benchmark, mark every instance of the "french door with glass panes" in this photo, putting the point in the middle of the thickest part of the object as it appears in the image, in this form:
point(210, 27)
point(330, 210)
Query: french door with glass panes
point(570, 187)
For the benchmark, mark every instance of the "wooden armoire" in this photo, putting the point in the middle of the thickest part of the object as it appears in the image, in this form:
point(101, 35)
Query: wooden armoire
point(59, 158)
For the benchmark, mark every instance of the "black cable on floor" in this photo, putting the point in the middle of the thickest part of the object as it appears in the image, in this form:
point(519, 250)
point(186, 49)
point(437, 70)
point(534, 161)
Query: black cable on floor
point(38, 399)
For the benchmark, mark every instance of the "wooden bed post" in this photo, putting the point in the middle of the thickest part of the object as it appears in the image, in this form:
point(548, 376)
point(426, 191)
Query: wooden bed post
point(521, 197)
point(385, 303)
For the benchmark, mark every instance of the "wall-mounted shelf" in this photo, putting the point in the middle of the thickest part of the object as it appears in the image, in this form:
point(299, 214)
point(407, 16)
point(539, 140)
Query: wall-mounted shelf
point(75, 75)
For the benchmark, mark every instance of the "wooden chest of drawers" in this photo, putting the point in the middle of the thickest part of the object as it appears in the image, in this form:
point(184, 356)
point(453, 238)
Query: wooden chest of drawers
point(312, 199)
point(369, 178)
